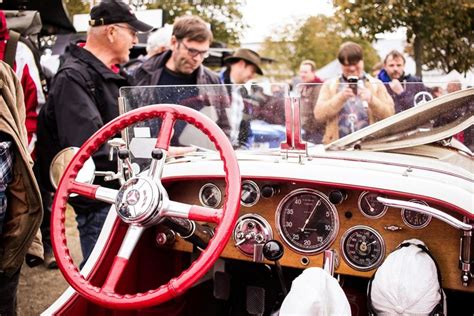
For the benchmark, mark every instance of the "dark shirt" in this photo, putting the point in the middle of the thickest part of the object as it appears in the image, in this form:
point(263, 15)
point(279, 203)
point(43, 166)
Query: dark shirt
point(354, 115)
point(171, 78)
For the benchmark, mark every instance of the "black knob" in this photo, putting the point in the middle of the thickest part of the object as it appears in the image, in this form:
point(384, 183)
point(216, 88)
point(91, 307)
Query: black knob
point(123, 153)
point(269, 190)
point(337, 196)
point(273, 250)
point(157, 154)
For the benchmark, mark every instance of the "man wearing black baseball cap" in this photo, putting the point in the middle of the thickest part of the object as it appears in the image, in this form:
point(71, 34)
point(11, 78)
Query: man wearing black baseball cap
point(112, 12)
point(83, 98)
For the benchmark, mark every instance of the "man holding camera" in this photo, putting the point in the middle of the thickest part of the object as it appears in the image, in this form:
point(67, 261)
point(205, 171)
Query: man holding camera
point(352, 101)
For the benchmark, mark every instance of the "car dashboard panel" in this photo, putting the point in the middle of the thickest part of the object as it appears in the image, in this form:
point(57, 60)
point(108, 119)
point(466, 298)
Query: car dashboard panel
point(309, 218)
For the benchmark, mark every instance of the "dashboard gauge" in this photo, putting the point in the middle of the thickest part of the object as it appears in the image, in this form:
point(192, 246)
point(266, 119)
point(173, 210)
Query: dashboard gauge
point(251, 230)
point(369, 206)
point(250, 193)
point(363, 248)
point(210, 195)
point(414, 219)
point(307, 222)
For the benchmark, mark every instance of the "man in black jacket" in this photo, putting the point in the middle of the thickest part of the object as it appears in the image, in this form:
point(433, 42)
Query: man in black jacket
point(84, 97)
point(401, 86)
point(181, 66)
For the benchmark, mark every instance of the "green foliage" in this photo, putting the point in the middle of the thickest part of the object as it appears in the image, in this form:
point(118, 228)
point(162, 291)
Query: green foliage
point(439, 31)
point(224, 16)
point(318, 38)
point(77, 7)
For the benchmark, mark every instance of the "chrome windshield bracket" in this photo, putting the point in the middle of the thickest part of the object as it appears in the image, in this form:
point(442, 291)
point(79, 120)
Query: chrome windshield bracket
point(466, 257)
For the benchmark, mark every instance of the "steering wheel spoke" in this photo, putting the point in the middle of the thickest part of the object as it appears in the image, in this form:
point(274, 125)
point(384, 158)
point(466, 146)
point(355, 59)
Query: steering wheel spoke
point(166, 132)
point(121, 259)
point(94, 192)
point(192, 212)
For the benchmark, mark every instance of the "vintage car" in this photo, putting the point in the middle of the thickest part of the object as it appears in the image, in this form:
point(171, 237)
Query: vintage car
point(225, 197)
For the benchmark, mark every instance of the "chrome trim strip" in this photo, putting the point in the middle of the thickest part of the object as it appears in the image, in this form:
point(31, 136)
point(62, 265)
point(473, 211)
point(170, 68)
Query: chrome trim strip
point(426, 210)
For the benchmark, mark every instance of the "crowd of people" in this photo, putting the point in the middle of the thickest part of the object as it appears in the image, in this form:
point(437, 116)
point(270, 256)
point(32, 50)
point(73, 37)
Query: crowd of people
point(83, 97)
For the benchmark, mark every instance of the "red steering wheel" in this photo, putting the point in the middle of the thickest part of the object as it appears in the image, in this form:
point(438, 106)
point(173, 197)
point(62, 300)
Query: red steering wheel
point(145, 214)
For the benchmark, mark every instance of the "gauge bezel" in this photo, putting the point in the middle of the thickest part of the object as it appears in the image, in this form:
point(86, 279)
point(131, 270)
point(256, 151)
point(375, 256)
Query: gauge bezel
point(402, 213)
point(374, 265)
point(331, 238)
point(257, 189)
point(212, 185)
point(264, 224)
point(359, 205)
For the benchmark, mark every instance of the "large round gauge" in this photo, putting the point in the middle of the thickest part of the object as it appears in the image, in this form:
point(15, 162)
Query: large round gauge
point(369, 206)
point(250, 193)
point(210, 195)
point(306, 220)
point(363, 248)
point(414, 219)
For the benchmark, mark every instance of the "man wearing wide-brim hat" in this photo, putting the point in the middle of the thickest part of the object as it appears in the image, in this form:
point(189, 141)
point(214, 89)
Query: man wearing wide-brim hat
point(242, 66)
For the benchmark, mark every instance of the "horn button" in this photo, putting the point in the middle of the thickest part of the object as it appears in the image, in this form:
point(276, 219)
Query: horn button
point(138, 200)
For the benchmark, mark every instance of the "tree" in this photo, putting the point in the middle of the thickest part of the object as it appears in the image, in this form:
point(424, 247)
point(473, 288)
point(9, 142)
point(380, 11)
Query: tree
point(317, 38)
point(76, 7)
point(224, 16)
point(439, 31)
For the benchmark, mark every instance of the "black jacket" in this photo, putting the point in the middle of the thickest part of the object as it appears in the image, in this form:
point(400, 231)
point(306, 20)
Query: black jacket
point(82, 99)
point(412, 86)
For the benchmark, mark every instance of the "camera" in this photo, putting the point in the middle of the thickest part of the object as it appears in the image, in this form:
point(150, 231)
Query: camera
point(352, 80)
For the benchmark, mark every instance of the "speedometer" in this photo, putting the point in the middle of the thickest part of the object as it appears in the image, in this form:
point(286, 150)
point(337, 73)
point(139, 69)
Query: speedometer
point(307, 222)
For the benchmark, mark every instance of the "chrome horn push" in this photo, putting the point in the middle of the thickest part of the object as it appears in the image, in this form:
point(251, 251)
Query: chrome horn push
point(139, 201)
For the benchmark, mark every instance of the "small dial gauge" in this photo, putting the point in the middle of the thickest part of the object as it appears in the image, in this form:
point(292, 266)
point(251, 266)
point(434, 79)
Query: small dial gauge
point(250, 193)
point(369, 206)
point(414, 219)
point(251, 230)
point(210, 195)
point(307, 221)
point(363, 248)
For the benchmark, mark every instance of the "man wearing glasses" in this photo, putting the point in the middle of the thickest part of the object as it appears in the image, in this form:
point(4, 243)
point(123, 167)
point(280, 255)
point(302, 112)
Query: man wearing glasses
point(83, 98)
point(181, 65)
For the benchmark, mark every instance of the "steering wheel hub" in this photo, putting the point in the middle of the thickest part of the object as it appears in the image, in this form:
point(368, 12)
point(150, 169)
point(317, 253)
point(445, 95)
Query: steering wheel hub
point(138, 201)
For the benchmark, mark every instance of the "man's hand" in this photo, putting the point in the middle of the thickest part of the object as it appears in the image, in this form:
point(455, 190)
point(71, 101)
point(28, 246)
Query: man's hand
point(365, 94)
point(179, 151)
point(347, 93)
point(396, 86)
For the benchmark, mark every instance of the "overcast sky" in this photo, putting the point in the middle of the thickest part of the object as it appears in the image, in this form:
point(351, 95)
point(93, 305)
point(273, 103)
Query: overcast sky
point(262, 15)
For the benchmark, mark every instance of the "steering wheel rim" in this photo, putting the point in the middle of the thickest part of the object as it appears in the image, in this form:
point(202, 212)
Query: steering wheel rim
point(178, 285)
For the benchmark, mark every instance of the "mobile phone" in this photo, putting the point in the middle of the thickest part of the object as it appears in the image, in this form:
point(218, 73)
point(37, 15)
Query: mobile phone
point(352, 80)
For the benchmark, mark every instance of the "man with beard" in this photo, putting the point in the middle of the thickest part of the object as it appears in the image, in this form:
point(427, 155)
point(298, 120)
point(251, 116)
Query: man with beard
point(180, 66)
point(401, 86)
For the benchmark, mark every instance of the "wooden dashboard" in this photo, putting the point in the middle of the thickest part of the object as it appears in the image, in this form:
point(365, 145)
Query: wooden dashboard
point(442, 239)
